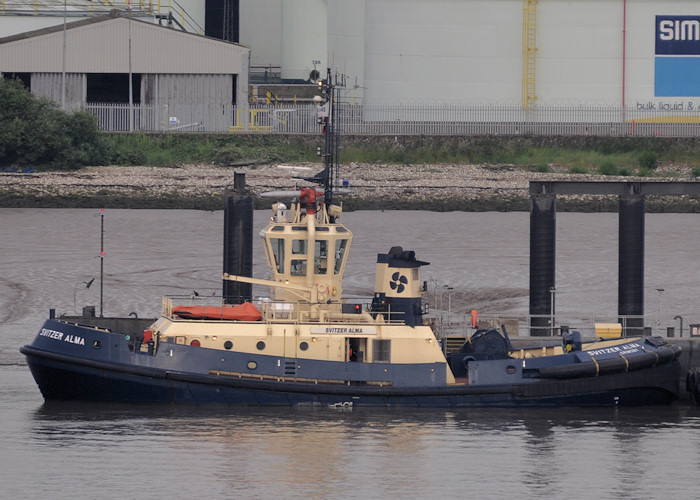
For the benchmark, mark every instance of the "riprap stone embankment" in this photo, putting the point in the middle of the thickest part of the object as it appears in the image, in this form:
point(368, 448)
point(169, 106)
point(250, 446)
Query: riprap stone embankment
point(373, 186)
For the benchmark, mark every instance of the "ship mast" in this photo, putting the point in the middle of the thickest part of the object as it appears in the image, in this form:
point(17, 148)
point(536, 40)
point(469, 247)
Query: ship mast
point(307, 249)
point(328, 117)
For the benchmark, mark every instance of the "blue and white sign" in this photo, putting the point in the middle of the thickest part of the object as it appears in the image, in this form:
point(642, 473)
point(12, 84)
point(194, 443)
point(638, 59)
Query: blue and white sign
point(678, 35)
point(677, 61)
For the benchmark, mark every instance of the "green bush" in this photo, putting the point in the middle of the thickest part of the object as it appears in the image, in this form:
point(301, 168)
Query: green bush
point(648, 160)
point(86, 144)
point(695, 172)
point(608, 168)
point(159, 158)
point(227, 154)
point(36, 133)
point(129, 149)
point(578, 169)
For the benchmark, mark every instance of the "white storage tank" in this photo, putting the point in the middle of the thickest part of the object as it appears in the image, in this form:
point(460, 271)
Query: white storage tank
point(304, 33)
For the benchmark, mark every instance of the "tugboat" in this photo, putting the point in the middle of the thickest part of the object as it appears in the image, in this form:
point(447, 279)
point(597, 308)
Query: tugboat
point(307, 344)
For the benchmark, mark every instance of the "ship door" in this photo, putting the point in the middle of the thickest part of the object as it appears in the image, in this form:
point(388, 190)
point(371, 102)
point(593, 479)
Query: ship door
point(356, 349)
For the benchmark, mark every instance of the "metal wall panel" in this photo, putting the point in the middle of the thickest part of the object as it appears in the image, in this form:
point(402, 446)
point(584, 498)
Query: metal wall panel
point(49, 85)
point(195, 102)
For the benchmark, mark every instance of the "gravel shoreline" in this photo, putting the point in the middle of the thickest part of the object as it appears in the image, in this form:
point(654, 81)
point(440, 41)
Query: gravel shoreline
point(419, 187)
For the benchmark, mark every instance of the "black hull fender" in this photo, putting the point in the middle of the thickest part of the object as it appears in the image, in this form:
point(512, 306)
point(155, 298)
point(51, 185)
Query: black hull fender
point(663, 355)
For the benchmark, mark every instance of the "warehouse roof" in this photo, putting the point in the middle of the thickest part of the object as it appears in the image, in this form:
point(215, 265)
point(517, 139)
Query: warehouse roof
point(118, 43)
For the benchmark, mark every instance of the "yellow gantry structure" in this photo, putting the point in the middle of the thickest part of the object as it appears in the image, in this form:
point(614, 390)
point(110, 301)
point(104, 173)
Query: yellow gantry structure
point(529, 52)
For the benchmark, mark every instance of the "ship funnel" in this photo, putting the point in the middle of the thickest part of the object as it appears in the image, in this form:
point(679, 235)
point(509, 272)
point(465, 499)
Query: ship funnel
point(398, 287)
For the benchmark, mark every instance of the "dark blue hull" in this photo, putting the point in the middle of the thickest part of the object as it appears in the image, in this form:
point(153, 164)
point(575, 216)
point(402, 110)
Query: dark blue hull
point(62, 377)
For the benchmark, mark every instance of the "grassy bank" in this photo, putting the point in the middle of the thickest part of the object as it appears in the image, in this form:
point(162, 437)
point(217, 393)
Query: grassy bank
point(639, 156)
point(527, 157)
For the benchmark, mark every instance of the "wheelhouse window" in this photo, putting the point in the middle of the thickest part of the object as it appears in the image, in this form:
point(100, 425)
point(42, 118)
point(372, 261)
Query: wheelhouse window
point(299, 247)
point(277, 245)
point(321, 257)
point(340, 246)
point(298, 267)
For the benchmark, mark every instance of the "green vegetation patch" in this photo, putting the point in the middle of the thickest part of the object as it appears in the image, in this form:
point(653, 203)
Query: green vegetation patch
point(36, 133)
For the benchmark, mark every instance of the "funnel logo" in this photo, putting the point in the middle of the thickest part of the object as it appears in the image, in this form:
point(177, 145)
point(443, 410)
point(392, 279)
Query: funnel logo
point(398, 282)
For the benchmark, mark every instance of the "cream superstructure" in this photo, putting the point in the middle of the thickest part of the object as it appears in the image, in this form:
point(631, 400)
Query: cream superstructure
point(305, 316)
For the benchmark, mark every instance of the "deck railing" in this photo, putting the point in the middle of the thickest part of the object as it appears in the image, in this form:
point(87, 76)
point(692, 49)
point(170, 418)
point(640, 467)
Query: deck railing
point(545, 325)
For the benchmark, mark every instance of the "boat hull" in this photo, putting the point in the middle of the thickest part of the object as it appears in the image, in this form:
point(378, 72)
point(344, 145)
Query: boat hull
point(63, 377)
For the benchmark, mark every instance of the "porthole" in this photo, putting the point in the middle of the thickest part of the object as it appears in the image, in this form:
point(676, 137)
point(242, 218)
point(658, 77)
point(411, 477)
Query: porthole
point(260, 345)
point(96, 344)
point(228, 344)
point(252, 365)
point(304, 346)
point(510, 369)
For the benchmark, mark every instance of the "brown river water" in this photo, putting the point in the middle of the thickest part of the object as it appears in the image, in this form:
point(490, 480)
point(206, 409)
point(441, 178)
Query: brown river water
point(125, 451)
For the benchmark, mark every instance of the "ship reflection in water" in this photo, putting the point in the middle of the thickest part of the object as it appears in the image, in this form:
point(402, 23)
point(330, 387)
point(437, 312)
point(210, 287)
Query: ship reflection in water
point(310, 452)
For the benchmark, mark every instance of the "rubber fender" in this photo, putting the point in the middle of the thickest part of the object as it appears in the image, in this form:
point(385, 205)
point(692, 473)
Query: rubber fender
point(645, 360)
point(666, 354)
point(616, 365)
point(572, 370)
point(655, 341)
point(466, 360)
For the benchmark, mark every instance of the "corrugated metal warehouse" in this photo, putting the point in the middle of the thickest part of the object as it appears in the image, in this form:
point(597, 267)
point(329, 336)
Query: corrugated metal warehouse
point(177, 78)
point(587, 55)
